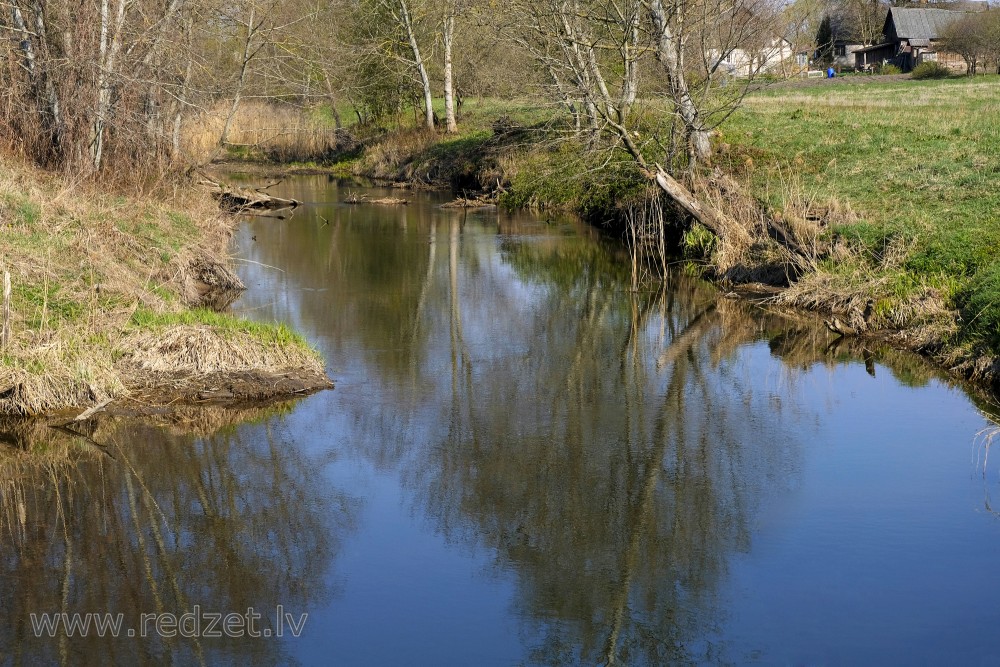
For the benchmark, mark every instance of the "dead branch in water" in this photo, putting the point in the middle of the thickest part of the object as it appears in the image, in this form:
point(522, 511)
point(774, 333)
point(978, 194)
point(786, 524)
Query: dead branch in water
point(461, 202)
point(383, 201)
point(236, 199)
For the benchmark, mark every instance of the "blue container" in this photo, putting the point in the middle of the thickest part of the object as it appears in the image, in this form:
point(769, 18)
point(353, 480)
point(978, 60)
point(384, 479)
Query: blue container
point(830, 73)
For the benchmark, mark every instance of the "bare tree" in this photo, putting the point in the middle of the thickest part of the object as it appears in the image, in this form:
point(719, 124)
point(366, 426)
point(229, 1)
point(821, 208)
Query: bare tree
point(448, 37)
point(406, 21)
point(976, 38)
point(592, 50)
point(96, 72)
point(390, 32)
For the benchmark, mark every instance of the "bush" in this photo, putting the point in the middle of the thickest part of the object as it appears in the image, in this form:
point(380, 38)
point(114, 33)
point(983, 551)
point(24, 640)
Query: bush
point(698, 242)
point(888, 69)
point(930, 69)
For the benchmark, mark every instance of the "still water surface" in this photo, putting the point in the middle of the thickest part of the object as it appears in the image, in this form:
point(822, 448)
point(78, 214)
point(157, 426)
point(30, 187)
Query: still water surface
point(522, 463)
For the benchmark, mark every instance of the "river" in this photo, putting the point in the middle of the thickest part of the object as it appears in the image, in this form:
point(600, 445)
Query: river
point(523, 462)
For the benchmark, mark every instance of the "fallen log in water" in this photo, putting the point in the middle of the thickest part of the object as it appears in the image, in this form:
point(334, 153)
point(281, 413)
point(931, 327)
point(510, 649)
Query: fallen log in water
point(236, 199)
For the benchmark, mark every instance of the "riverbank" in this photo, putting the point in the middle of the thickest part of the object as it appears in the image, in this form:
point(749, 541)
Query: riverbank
point(898, 208)
point(115, 298)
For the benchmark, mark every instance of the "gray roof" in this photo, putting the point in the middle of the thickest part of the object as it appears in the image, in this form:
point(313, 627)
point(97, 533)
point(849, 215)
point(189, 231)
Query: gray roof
point(916, 23)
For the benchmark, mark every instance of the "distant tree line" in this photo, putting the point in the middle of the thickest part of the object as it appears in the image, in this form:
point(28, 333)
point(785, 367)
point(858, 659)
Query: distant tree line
point(107, 88)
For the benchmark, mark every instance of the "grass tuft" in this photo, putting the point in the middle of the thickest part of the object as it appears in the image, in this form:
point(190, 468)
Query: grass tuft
point(91, 271)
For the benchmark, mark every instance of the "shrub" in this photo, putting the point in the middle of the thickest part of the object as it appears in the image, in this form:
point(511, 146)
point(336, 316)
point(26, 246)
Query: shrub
point(888, 69)
point(930, 69)
point(698, 242)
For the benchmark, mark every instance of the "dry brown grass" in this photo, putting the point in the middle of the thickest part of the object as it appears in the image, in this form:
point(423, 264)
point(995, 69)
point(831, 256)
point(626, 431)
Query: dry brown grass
point(868, 294)
point(748, 250)
point(83, 265)
point(193, 350)
point(827, 275)
point(281, 133)
point(390, 158)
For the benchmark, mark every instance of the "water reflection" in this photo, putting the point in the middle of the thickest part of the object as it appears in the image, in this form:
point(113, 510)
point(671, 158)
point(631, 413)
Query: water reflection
point(610, 449)
point(157, 516)
point(554, 470)
point(611, 469)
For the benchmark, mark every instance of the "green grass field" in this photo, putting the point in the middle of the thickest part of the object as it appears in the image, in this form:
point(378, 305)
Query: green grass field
point(918, 162)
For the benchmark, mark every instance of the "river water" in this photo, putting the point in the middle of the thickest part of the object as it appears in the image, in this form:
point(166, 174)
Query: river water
point(523, 462)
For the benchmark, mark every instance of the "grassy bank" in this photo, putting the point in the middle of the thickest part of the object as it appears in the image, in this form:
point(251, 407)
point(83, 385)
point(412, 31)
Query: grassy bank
point(109, 298)
point(913, 164)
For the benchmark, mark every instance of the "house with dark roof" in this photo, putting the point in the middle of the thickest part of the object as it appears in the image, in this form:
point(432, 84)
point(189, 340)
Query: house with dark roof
point(910, 36)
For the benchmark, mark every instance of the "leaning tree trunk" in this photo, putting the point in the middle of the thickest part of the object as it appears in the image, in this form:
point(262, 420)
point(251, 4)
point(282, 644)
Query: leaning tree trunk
point(669, 51)
point(404, 14)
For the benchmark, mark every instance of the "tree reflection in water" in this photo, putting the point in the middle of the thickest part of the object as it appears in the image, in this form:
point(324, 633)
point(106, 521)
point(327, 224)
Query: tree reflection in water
point(190, 511)
point(612, 469)
point(617, 468)
point(610, 448)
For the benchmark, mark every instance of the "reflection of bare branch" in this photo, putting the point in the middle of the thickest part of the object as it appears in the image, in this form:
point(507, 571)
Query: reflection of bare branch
point(123, 531)
point(425, 287)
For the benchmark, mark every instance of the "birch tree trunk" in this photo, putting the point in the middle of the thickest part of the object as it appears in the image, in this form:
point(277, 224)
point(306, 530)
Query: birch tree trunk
point(449, 83)
point(630, 59)
point(407, 22)
point(43, 88)
point(110, 44)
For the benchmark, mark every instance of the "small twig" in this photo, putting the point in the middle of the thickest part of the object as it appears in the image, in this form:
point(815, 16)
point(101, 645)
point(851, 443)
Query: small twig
point(250, 261)
point(5, 327)
point(90, 412)
point(269, 185)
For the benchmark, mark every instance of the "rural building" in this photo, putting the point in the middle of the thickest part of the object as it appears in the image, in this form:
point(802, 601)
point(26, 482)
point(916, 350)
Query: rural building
point(844, 50)
point(776, 56)
point(910, 36)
